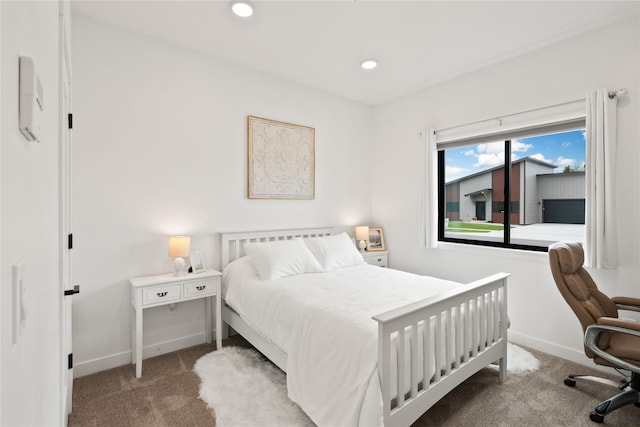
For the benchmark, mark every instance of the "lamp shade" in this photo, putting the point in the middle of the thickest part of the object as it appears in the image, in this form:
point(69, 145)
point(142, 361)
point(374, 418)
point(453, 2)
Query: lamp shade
point(179, 246)
point(362, 232)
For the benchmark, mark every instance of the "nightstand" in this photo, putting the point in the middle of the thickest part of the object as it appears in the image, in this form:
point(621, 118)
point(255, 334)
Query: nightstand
point(379, 258)
point(154, 291)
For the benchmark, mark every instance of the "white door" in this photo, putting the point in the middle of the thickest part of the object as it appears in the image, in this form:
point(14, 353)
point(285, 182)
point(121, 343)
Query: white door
point(65, 216)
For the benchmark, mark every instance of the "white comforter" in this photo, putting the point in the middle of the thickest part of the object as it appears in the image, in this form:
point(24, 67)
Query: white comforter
point(323, 323)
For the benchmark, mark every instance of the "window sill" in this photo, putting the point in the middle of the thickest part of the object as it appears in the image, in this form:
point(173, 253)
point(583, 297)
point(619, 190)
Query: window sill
point(503, 253)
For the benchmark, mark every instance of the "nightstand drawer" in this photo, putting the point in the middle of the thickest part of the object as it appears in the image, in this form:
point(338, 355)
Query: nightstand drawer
point(199, 287)
point(377, 259)
point(160, 294)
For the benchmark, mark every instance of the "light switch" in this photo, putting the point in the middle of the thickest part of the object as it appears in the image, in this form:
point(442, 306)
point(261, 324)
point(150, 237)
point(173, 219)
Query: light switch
point(19, 300)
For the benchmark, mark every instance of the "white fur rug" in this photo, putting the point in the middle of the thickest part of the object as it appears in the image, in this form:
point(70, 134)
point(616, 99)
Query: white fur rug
point(244, 389)
point(519, 360)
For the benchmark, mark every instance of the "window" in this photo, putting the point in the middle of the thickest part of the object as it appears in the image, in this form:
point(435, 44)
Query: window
point(523, 191)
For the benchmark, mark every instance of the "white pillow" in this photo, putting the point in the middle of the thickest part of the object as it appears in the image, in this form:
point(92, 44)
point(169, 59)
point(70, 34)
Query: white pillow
point(281, 258)
point(335, 251)
point(238, 271)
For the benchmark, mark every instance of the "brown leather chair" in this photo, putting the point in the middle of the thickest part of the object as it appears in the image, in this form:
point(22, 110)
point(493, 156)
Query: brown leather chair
point(608, 340)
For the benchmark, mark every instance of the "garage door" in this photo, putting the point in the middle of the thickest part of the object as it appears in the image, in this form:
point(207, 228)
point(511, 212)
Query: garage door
point(568, 211)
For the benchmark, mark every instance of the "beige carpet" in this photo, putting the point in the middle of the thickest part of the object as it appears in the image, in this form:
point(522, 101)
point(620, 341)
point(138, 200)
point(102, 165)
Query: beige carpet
point(167, 395)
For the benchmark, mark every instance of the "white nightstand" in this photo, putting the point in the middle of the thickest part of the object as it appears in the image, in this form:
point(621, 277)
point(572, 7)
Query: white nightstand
point(154, 291)
point(379, 258)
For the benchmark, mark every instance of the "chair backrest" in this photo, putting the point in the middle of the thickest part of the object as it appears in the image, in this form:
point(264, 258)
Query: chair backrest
point(578, 288)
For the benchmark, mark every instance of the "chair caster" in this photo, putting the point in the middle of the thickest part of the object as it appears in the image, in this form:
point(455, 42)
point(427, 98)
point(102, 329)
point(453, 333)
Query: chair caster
point(595, 417)
point(570, 382)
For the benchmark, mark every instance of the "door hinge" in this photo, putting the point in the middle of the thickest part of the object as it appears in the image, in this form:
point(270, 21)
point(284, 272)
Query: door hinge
point(70, 361)
point(75, 290)
point(70, 244)
point(70, 120)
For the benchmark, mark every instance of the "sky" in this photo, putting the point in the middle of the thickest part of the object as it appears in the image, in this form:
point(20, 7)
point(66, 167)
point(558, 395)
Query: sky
point(561, 149)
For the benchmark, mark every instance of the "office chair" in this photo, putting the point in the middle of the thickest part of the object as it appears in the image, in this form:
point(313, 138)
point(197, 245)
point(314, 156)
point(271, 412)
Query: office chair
point(608, 340)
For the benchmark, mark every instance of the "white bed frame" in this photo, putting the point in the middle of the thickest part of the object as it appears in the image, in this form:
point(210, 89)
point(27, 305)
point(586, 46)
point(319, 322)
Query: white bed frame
point(486, 299)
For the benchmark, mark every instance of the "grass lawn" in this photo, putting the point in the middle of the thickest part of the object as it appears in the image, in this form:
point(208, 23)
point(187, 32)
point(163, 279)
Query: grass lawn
point(473, 227)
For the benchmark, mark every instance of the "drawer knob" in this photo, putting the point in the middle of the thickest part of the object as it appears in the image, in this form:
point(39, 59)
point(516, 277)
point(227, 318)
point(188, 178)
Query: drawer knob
point(201, 287)
point(162, 294)
point(379, 259)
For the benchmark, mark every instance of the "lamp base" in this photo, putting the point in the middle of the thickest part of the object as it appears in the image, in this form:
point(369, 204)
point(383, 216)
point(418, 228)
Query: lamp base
point(362, 245)
point(179, 265)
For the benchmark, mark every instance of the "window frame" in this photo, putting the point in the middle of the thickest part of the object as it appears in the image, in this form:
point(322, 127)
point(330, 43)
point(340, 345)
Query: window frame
point(507, 136)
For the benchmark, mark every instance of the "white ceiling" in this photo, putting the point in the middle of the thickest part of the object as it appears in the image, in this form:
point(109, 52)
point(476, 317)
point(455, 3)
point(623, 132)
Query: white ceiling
point(321, 43)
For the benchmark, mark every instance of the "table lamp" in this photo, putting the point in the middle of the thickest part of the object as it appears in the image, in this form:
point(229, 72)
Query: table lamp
point(179, 247)
point(362, 235)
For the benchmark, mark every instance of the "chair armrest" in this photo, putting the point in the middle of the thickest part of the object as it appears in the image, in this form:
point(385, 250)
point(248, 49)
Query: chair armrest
point(627, 303)
point(612, 321)
point(612, 325)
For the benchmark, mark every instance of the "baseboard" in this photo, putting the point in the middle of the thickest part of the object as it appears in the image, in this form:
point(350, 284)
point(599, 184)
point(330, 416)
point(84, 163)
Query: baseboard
point(566, 353)
point(80, 369)
point(88, 367)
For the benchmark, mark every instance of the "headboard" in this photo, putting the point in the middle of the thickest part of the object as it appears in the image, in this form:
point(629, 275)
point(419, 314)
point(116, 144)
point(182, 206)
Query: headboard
point(233, 243)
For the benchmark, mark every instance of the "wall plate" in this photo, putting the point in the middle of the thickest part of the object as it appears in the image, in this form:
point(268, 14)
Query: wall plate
point(31, 98)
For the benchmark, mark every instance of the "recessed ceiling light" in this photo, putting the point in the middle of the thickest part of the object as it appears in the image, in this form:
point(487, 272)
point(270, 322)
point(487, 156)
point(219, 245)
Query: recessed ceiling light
point(244, 9)
point(369, 64)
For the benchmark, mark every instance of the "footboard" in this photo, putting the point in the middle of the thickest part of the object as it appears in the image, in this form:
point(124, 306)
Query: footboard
point(470, 322)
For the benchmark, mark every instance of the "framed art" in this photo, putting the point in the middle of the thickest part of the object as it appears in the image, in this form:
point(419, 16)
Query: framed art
point(197, 265)
point(376, 240)
point(281, 160)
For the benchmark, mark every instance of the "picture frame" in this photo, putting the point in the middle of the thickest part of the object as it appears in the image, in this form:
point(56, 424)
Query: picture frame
point(281, 160)
point(197, 264)
point(375, 242)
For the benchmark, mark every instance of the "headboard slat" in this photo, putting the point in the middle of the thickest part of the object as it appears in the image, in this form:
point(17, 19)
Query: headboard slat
point(233, 243)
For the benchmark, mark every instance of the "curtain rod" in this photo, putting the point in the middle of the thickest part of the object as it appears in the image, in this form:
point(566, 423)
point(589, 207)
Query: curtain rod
point(515, 114)
point(618, 93)
point(612, 94)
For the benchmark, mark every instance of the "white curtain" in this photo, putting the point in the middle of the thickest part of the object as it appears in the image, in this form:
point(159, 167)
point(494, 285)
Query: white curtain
point(600, 220)
point(428, 227)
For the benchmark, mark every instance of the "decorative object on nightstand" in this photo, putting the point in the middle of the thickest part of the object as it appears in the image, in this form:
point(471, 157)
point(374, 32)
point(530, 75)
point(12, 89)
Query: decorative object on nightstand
point(197, 265)
point(179, 247)
point(375, 242)
point(379, 258)
point(362, 235)
point(165, 289)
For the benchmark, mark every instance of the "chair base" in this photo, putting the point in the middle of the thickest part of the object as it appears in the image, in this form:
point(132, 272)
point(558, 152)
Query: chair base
point(630, 393)
point(571, 381)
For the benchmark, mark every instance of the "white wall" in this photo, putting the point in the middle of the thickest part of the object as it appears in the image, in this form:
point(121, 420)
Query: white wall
point(607, 57)
point(30, 370)
point(160, 148)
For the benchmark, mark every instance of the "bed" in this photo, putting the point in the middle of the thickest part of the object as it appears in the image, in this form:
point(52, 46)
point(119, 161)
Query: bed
point(346, 363)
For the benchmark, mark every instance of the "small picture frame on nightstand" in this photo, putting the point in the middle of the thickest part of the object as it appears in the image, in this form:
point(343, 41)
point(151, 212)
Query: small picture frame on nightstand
point(197, 265)
point(376, 240)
